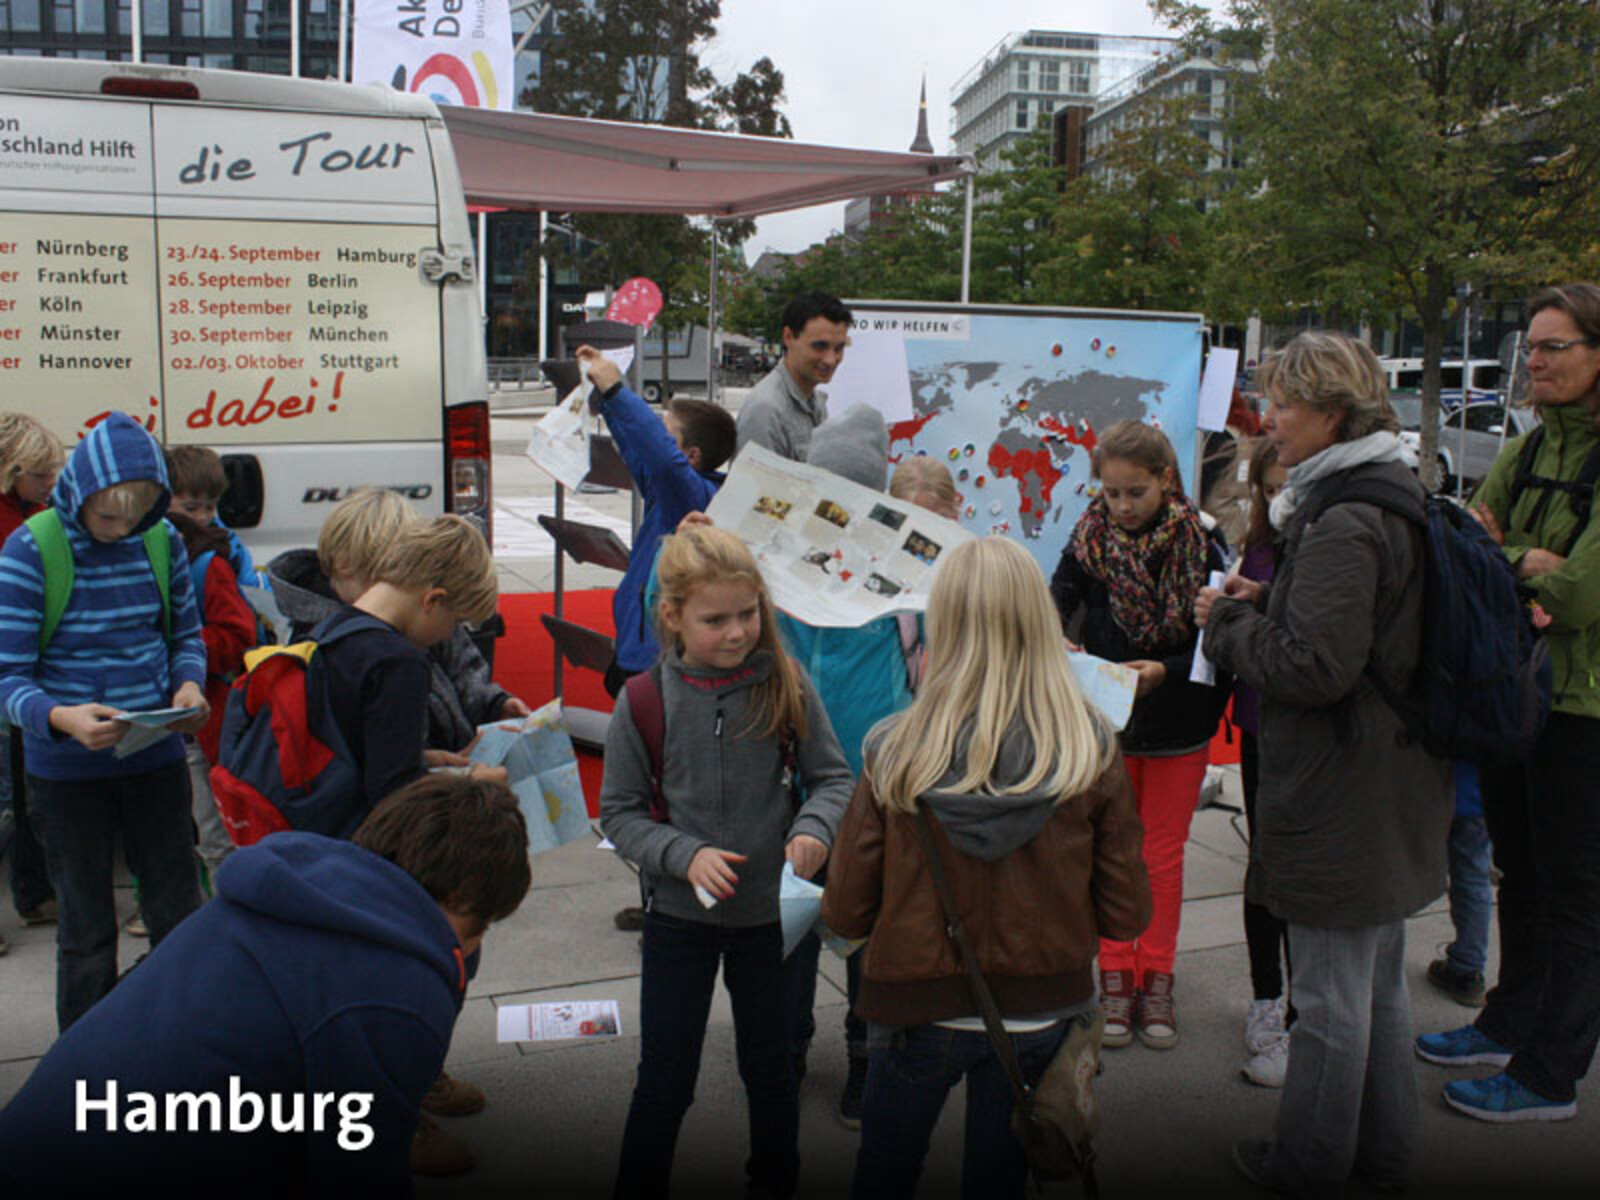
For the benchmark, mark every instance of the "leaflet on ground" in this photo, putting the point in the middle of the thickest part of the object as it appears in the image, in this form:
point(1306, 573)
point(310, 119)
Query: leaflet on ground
point(557, 1021)
point(834, 554)
point(1108, 686)
point(537, 754)
point(148, 728)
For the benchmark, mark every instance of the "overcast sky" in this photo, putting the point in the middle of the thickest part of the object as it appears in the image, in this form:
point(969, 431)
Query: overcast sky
point(852, 68)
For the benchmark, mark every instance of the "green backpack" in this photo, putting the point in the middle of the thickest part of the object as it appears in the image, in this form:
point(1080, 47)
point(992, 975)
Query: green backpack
point(55, 557)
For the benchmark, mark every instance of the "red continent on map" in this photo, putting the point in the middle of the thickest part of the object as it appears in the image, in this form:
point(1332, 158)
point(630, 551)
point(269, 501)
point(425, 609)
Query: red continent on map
point(1019, 465)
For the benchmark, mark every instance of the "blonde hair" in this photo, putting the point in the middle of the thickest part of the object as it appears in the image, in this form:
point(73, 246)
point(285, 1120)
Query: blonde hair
point(443, 552)
point(26, 445)
point(921, 476)
point(1142, 445)
point(700, 555)
point(360, 530)
point(995, 659)
point(130, 498)
point(1331, 372)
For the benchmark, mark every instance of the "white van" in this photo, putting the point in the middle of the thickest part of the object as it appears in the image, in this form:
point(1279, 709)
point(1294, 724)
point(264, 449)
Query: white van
point(280, 269)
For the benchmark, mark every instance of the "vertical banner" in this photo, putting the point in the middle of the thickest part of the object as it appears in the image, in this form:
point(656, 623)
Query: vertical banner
point(452, 51)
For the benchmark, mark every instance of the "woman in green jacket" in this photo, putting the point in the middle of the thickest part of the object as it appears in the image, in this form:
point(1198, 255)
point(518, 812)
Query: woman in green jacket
point(1542, 1020)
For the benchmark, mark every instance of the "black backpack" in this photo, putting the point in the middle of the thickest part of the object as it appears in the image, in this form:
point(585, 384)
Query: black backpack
point(1482, 689)
point(1579, 490)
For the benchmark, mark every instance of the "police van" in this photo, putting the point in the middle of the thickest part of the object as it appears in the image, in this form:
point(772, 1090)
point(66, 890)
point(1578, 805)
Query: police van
point(280, 269)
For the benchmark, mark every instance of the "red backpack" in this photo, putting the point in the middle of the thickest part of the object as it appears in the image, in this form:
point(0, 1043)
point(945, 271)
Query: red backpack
point(282, 762)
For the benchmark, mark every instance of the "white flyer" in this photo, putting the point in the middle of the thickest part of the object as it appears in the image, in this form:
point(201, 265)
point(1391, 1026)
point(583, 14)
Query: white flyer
point(148, 728)
point(1201, 669)
point(1110, 687)
point(559, 1021)
point(834, 554)
point(559, 443)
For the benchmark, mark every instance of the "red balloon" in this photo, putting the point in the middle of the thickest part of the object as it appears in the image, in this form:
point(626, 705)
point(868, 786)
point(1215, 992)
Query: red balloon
point(637, 302)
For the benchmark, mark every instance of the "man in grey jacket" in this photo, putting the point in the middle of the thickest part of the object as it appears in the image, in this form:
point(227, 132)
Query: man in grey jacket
point(782, 410)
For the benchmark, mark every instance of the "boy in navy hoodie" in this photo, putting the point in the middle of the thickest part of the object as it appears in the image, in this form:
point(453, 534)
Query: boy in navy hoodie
point(123, 643)
point(323, 968)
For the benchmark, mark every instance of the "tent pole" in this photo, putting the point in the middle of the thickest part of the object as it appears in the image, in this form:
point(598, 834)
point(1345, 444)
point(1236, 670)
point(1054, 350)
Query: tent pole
point(966, 245)
point(544, 289)
point(343, 73)
point(711, 322)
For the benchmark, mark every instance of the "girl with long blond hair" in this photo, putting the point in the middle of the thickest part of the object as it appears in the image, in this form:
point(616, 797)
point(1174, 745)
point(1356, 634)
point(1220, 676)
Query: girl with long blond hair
point(702, 758)
point(1032, 816)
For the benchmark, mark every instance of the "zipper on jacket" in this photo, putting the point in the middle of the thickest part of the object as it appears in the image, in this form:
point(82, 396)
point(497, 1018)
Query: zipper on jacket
point(717, 732)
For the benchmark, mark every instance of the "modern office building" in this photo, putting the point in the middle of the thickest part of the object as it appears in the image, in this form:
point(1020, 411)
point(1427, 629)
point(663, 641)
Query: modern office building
point(1019, 84)
point(1203, 77)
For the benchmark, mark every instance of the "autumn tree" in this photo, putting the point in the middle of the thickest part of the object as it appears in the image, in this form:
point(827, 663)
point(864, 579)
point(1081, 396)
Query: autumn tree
point(1401, 149)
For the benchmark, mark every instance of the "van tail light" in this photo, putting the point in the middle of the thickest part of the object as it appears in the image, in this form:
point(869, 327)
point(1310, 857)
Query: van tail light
point(467, 464)
point(149, 89)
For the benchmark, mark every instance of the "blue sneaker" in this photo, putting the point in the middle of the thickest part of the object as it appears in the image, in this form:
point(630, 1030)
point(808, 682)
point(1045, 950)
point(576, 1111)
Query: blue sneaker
point(1464, 1047)
point(1502, 1099)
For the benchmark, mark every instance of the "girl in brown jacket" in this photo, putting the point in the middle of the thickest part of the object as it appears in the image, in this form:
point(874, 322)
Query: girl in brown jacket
point(1032, 814)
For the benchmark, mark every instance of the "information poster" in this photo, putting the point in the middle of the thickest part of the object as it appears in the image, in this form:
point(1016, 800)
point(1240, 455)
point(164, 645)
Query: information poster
point(285, 331)
point(78, 322)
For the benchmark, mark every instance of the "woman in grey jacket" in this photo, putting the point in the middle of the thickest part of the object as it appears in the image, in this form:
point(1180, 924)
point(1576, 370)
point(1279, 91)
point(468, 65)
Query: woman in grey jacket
point(1351, 818)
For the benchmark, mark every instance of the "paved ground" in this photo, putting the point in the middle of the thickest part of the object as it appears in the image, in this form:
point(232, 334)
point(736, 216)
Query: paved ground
point(556, 1110)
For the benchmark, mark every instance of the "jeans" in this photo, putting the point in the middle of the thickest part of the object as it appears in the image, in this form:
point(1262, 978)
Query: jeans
point(78, 823)
point(1544, 818)
point(907, 1084)
point(680, 972)
point(1350, 1096)
point(30, 881)
point(1266, 936)
point(800, 994)
point(1471, 894)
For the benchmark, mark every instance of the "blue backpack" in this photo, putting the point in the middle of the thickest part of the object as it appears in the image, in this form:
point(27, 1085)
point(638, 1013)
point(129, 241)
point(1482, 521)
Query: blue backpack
point(1482, 689)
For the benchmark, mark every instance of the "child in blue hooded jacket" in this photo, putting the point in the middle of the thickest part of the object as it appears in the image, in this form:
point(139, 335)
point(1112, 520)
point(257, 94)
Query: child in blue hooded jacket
point(123, 643)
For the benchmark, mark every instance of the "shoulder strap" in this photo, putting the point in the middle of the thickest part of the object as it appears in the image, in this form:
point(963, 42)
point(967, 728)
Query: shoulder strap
point(199, 566)
point(992, 1021)
point(1581, 495)
point(158, 549)
point(1519, 481)
point(55, 560)
point(1385, 493)
point(646, 706)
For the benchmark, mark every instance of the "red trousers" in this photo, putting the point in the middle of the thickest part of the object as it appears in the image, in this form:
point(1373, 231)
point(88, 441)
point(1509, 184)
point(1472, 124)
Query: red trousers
point(1166, 791)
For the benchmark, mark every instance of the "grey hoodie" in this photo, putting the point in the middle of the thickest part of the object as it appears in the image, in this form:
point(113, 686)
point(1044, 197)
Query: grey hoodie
point(855, 445)
point(722, 790)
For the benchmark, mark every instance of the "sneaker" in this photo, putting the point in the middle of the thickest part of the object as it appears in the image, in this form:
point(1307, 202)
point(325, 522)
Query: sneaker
point(1464, 1047)
point(1501, 1099)
point(855, 1084)
point(630, 920)
point(134, 926)
point(1263, 1024)
point(1464, 987)
point(1117, 998)
point(1267, 1068)
point(437, 1154)
point(43, 913)
point(1157, 1016)
point(451, 1097)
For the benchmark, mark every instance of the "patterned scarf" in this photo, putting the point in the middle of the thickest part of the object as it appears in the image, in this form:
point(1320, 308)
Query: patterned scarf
point(1153, 576)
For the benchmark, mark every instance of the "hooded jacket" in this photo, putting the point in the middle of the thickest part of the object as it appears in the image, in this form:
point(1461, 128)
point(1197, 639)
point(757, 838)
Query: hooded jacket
point(671, 489)
point(722, 788)
point(461, 696)
point(1037, 882)
point(319, 968)
point(1351, 818)
point(860, 672)
point(109, 647)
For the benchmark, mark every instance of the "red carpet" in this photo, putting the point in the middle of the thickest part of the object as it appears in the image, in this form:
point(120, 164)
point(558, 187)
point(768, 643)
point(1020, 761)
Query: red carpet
point(524, 662)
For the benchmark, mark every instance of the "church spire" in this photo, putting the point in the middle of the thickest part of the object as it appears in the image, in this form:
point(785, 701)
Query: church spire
point(922, 143)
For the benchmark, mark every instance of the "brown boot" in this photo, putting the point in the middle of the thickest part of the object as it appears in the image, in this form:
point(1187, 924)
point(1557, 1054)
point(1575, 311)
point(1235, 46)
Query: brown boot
point(450, 1097)
point(436, 1154)
point(1116, 1001)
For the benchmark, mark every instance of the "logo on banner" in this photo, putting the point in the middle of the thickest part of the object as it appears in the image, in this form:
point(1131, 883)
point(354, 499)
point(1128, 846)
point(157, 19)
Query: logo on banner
point(451, 51)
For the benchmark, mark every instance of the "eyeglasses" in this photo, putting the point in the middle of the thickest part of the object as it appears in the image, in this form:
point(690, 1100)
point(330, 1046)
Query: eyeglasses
point(1554, 345)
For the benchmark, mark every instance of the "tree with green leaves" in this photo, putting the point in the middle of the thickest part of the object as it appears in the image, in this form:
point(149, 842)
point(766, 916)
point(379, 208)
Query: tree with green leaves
point(1402, 149)
point(639, 60)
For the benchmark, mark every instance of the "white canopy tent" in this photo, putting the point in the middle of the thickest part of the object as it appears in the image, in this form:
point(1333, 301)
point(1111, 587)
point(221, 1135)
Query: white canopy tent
point(574, 164)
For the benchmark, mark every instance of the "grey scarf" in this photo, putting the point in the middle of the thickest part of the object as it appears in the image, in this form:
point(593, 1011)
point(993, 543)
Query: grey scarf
point(1380, 447)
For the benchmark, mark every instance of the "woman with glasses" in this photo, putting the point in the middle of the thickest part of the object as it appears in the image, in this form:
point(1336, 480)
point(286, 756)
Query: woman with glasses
point(1542, 1020)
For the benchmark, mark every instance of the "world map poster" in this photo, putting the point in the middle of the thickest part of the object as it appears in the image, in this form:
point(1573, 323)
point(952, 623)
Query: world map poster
point(1013, 401)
